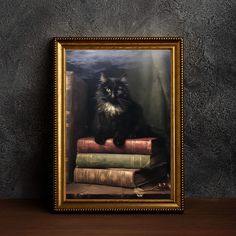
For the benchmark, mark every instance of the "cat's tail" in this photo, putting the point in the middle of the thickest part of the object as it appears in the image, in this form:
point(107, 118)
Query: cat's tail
point(155, 132)
point(151, 131)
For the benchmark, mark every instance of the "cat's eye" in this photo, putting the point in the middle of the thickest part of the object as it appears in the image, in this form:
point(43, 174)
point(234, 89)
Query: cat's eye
point(108, 90)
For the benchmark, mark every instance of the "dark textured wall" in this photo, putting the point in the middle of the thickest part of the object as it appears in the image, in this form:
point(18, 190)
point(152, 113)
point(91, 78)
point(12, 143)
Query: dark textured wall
point(208, 28)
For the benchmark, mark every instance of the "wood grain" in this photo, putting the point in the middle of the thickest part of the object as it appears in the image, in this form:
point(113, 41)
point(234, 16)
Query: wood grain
point(201, 217)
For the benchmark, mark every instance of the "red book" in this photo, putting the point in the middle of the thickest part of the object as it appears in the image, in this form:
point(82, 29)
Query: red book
point(131, 146)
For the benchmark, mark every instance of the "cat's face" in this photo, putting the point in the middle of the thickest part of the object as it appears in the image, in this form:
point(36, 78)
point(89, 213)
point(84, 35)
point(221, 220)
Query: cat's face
point(113, 90)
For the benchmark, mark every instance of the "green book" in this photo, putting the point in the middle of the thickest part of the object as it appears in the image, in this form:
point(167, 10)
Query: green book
point(106, 160)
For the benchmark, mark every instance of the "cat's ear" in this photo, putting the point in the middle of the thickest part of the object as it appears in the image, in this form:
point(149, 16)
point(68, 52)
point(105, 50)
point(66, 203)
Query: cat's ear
point(123, 79)
point(103, 78)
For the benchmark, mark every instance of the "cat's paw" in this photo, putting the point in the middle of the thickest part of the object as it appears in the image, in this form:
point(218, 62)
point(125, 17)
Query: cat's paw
point(119, 141)
point(100, 140)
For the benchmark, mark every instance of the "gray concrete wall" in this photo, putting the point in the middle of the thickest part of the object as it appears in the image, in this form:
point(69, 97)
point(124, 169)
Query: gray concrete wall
point(208, 28)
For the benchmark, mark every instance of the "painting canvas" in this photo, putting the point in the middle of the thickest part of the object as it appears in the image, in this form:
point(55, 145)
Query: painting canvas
point(118, 134)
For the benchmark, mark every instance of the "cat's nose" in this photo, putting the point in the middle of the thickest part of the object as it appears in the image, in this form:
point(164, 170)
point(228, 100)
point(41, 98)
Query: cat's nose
point(112, 95)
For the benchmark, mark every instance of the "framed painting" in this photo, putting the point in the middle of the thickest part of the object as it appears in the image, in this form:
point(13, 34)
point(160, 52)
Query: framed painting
point(118, 124)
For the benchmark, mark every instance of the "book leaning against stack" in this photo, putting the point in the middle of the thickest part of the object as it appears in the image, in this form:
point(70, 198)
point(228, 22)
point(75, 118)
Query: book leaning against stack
point(140, 163)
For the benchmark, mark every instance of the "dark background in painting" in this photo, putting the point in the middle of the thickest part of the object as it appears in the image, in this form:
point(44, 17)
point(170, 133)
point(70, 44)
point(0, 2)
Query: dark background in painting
point(147, 73)
point(208, 28)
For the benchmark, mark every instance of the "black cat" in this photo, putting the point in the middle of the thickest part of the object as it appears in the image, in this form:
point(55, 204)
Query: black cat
point(117, 115)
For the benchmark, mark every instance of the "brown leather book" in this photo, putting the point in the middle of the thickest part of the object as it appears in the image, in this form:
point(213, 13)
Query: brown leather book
point(132, 146)
point(112, 177)
point(128, 178)
point(91, 191)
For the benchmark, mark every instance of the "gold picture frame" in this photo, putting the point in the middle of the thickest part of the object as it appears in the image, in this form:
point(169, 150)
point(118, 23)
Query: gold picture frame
point(62, 48)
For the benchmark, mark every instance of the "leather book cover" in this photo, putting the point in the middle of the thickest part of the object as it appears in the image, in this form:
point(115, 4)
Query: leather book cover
point(132, 146)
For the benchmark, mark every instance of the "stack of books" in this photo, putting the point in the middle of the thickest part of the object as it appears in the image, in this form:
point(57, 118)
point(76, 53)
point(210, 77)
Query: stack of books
point(140, 162)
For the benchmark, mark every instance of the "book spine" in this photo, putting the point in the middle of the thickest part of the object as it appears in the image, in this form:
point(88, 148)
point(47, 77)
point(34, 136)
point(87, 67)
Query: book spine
point(119, 178)
point(130, 147)
point(69, 79)
point(104, 160)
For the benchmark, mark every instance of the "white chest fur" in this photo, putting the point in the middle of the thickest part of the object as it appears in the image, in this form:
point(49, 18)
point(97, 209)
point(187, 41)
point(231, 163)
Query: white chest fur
point(110, 109)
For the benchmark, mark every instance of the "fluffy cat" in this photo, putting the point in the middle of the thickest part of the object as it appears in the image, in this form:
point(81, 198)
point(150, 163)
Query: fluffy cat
point(117, 115)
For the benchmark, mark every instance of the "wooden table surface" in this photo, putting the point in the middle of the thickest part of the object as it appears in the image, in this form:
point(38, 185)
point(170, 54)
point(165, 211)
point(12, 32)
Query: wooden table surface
point(201, 217)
